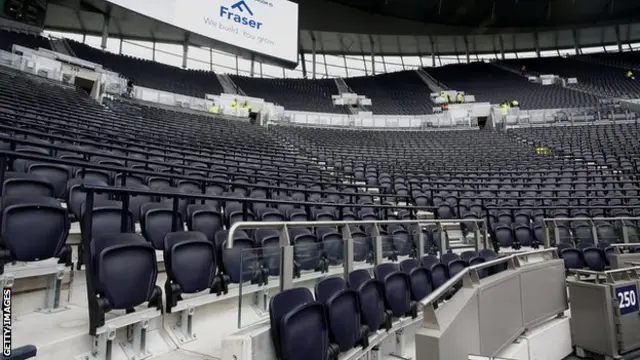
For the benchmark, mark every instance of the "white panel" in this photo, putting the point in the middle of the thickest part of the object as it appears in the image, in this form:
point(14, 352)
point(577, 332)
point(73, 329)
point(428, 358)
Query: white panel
point(565, 39)
point(525, 41)
point(519, 350)
point(556, 332)
point(408, 44)
point(507, 42)
point(610, 35)
point(590, 37)
point(634, 34)
point(349, 43)
point(425, 45)
point(547, 40)
point(365, 44)
point(388, 44)
point(445, 44)
point(483, 43)
point(267, 27)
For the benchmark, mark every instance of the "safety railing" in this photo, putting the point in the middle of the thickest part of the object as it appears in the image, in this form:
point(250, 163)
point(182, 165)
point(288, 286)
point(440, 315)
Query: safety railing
point(368, 122)
point(287, 255)
point(622, 226)
point(479, 297)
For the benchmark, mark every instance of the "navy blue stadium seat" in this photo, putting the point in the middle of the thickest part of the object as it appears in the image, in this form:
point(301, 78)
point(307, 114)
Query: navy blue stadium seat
point(419, 276)
point(397, 290)
point(594, 258)
point(241, 263)
point(22, 353)
point(268, 240)
point(190, 262)
point(34, 228)
point(573, 258)
point(156, 221)
point(125, 272)
point(205, 219)
point(372, 300)
point(299, 326)
point(76, 197)
point(307, 254)
point(344, 313)
point(24, 184)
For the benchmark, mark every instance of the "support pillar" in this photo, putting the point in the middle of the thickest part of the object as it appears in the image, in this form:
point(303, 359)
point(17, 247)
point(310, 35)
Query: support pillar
point(433, 51)
point(466, 49)
point(536, 43)
point(313, 58)
point(618, 42)
point(253, 66)
point(346, 68)
point(501, 44)
point(210, 59)
point(185, 51)
point(326, 68)
point(304, 64)
point(105, 31)
point(373, 55)
point(153, 50)
point(576, 42)
point(120, 50)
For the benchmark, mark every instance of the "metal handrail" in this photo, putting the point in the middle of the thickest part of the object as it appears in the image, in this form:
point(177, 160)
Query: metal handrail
point(447, 286)
point(332, 223)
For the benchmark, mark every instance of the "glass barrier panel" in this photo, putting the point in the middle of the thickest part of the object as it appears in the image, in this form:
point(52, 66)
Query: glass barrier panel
point(257, 276)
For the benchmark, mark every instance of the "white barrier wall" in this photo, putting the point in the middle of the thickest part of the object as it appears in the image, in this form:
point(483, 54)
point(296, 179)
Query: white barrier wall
point(375, 121)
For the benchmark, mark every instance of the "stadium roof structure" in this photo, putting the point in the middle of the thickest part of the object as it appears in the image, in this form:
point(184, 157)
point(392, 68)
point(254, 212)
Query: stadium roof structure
point(398, 27)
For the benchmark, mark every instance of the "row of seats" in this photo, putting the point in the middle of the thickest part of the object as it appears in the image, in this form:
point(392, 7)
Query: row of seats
point(344, 313)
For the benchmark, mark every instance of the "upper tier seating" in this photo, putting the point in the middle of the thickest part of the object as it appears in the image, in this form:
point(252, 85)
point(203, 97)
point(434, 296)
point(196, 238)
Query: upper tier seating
point(600, 79)
point(152, 74)
point(293, 94)
point(399, 93)
point(492, 84)
point(624, 60)
point(8, 38)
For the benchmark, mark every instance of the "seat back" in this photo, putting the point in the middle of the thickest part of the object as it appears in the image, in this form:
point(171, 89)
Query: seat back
point(124, 268)
point(304, 333)
point(371, 298)
point(329, 287)
point(33, 228)
point(190, 260)
point(282, 304)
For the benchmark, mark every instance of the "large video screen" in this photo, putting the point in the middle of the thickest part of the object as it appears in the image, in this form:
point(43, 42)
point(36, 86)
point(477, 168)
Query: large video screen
point(268, 27)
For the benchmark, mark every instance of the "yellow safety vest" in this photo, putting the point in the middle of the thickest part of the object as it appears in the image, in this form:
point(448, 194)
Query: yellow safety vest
point(234, 104)
point(213, 109)
point(515, 103)
point(459, 98)
point(247, 106)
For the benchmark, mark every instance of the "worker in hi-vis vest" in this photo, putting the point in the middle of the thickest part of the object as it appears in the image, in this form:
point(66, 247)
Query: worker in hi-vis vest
point(213, 109)
point(234, 104)
point(459, 98)
point(246, 106)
